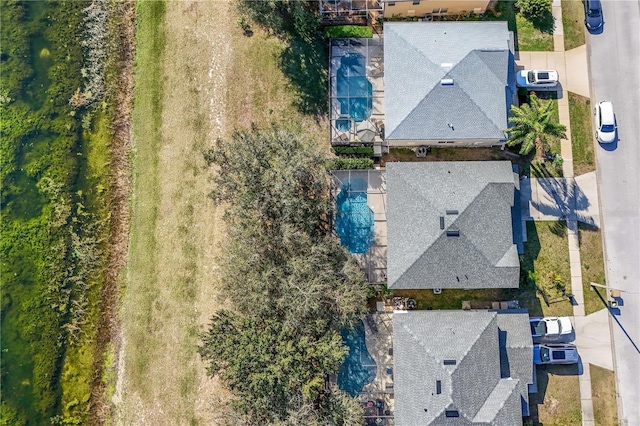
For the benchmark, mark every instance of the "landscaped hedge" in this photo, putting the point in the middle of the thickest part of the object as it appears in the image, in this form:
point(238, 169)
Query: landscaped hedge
point(348, 31)
point(349, 163)
point(364, 151)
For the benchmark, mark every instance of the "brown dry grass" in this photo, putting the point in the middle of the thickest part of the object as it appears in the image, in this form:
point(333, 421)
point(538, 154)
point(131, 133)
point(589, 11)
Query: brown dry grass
point(258, 91)
point(557, 402)
point(592, 266)
point(170, 286)
point(603, 391)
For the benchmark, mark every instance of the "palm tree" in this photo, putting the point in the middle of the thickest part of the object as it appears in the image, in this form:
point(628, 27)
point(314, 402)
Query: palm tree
point(532, 126)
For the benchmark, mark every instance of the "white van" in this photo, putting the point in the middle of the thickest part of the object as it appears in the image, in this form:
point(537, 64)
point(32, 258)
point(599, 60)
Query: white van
point(605, 122)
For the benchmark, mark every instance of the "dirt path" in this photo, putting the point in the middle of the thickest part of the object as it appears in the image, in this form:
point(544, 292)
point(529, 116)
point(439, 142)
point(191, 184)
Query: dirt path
point(174, 225)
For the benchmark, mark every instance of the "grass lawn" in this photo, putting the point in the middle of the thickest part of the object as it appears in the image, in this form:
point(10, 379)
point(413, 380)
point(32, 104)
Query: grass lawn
point(573, 23)
point(530, 38)
point(592, 266)
point(447, 154)
point(266, 84)
point(557, 402)
point(581, 134)
point(170, 278)
point(603, 391)
point(449, 298)
point(546, 256)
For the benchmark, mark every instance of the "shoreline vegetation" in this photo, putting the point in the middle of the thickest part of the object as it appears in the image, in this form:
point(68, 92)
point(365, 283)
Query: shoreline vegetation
point(61, 205)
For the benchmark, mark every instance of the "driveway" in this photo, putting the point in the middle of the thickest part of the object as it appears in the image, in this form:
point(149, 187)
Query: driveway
point(559, 198)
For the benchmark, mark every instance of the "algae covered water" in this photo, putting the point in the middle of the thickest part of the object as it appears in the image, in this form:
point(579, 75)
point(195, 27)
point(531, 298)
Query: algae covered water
point(41, 150)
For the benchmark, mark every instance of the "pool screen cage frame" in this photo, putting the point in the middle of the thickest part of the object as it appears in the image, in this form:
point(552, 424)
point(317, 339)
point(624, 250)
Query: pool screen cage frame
point(375, 185)
point(372, 49)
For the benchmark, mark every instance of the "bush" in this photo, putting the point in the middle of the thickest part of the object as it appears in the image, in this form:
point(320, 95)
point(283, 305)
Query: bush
point(532, 9)
point(363, 151)
point(348, 31)
point(349, 163)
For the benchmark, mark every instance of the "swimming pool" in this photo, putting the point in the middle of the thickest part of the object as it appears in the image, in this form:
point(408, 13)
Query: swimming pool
point(354, 90)
point(359, 368)
point(354, 217)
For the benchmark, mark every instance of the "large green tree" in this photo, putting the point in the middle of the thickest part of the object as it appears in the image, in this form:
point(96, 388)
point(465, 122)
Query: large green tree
point(533, 125)
point(277, 374)
point(290, 283)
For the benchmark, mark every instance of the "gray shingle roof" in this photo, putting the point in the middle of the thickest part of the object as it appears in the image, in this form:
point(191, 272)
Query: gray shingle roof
point(421, 197)
point(477, 56)
point(473, 386)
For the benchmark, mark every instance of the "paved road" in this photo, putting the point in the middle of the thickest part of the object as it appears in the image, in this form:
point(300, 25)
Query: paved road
point(614, 61)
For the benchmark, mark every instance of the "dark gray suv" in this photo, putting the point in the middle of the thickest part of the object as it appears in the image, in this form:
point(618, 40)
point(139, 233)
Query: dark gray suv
point(593, 15)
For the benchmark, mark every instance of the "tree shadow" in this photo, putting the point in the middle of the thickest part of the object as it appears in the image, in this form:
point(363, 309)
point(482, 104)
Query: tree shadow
point(304, 61)
point(305, 64)
point(526, 293)
point(559, 228)
point(544, 22)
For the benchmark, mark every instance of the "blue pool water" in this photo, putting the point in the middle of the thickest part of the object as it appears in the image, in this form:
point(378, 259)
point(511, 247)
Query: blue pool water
point(354, 217)
point(359, 368)
point(353, 88)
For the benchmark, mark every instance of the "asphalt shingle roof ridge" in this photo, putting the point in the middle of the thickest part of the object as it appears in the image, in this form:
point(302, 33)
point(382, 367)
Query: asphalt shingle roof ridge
point(496, 391)
point(413, 47)
point(487, 336)
point(410, 184)
point(489, 186)
point(486, 69)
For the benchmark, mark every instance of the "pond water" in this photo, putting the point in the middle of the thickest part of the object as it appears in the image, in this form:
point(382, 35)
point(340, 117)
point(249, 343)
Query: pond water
point(22, 206)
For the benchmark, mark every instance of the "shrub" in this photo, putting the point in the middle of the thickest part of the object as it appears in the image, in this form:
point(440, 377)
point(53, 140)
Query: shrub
point(349, 163)
point(532, 9)
point(363, 151)
point(348, 31)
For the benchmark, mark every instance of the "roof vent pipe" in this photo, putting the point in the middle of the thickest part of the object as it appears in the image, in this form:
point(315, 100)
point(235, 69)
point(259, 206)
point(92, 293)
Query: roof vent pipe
point(446, 82)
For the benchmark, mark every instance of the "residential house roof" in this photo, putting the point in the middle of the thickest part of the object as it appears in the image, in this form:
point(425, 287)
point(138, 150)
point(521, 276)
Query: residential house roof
point(449, 225)
point(449, 369)
point(477, 60)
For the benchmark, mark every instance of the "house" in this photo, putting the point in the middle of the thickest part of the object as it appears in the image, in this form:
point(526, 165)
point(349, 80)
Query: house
point(351, 10)
point(429, 8)
point(447, 83)
point(462, 367)
point(449, 225)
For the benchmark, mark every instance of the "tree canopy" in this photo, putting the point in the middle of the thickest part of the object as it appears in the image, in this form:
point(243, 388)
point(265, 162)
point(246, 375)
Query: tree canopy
point(533, 125)
point(290, 285)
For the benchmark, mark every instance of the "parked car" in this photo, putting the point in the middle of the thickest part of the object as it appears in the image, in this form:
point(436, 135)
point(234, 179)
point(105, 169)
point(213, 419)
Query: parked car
point(550, 328)
point(536, 79)
point(593, 15)
point(564, 353)
point(605, 122)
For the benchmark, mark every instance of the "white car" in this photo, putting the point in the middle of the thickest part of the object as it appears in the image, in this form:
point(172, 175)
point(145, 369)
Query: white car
point(555, 354)
point(550, 328)
point(605, 122)
point(536, 79)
